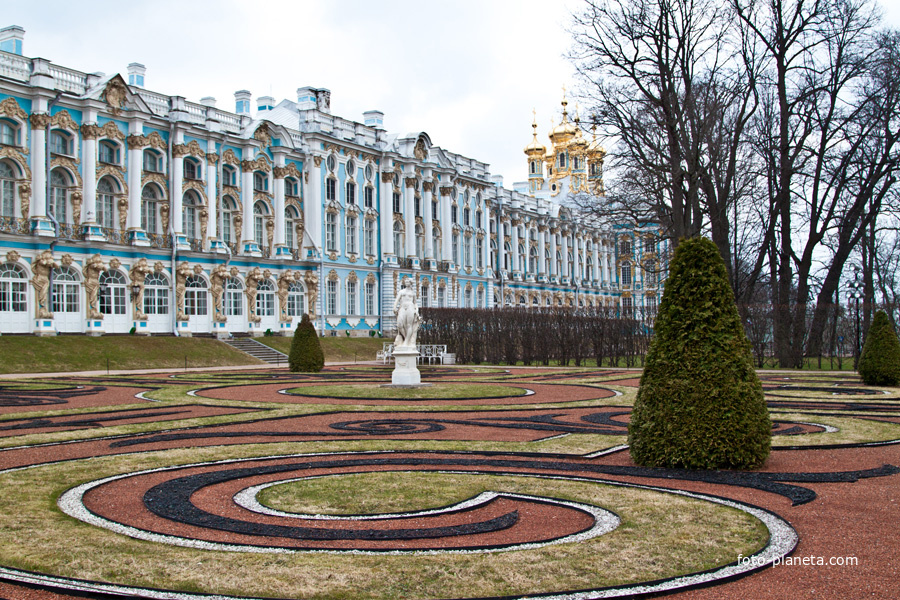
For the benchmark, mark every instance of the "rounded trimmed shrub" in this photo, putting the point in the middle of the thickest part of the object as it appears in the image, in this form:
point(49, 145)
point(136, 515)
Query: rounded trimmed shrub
point(879, 363)
point(306, 352)
point(700, 403)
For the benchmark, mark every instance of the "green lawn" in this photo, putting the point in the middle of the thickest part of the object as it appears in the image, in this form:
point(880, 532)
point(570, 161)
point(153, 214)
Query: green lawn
point(29, 354)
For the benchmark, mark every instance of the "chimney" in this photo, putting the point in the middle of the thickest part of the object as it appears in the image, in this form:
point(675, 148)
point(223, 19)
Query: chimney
point(136, 73)
point(374, 118)
point(208, 101)
point(11, 39)
point(306, 98)
point(242, 102)
point(264, 103)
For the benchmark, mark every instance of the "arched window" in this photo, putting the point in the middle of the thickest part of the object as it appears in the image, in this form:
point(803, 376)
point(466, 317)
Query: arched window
point(61, 143)
point(521, 257)
point(153, 161)
point(112, 293)
point(350, 235)
point(562, 160)
point(150, 197)
point(533, 261)
point(494, 254)
point(106, 203)
point(352, 297)
point(229, 207)
point(559, 264)
point(291, 187)
point(59, 195)
point(9, 133)
point(369, 235)
point(546, 261)
point(234, 306)
point(260, 181)
point(156, 294)
point(66, 292)
point(420, 242)
point(7, 190)
point(191, 168)
point(296, 300)
point(570, 268)
point(195, 296)
point(13, 288)
point(189, 213)
point(589, 268)
point(260, 211)
point(291, 220)
point(399, 246)
point(507, 256)
point(109, 152)
point(265, 298)
point(331, 241)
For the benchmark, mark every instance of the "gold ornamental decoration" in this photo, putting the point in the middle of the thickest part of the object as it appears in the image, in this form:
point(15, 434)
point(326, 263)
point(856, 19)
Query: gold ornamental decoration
point(229, 157)
point(263, 134)
point(64, 120)
point(115, 94)
point(39, 120)
point(112, 131)
point(91, 271)
point(11, 108)
point(16, 156)
point(137, 141)
point(138, 273)
point(91, 131)
point(41, 268)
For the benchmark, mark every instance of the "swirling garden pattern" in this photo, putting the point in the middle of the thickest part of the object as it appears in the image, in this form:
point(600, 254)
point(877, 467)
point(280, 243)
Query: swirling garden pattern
point(215, 472)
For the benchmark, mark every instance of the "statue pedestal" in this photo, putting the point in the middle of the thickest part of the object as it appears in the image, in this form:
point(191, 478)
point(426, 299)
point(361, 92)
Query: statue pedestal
point(405, 370)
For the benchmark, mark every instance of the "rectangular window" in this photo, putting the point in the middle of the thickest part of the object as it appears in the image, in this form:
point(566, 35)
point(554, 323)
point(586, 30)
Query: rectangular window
point(330, 190)
point(233, 305)
point(435, 210)
point(156, 301)
point(370, 298)
point(195, 302)
point(453, 214)
point(295, 305)
point(8, 206)
point(397, 202)
point(369, 232)
point(331, 297)
point(331, 232)
point(370, 197)
point(351, 298)
point(351, 192)
point(265, 304)
point(417, 205)
point(479, 253)
point(351, 236)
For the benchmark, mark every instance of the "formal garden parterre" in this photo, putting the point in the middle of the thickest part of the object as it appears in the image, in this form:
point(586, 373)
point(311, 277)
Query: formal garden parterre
point(504, 483)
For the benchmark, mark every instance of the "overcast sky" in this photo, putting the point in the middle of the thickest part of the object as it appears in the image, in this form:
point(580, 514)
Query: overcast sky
point(467, 72)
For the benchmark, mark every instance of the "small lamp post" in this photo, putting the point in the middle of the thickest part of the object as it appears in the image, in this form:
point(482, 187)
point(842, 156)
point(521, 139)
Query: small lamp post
point(856, 294)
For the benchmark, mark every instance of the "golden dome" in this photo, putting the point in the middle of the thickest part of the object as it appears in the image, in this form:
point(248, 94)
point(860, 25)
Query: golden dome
point(535, 148)
point(595, 145)
point(566, 130)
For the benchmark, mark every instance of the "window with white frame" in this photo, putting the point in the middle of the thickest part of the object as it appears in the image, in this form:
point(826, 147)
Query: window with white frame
point(468, 297)
point(191, 169)
point(195, 296)
point(330, 189)
point(352, 227)
point(66, 291)
point(369, 236)
point(13, 288)
point(59, 195)
point(260, 211)
point(479, 296)
point(229, 175)
point(625, 278)
point(331, 241)
point(153, 161)
point(190, 205)
point(331, 300)
point(467, 251)
point(229, 208)
point(455, 247)
point(265, 298)
point(442, 297)
point(479, 253)
point(9, 133)
point(109, 152)
point(370, 298)
point(106, 203)
point(112, 292)
point(291, 220)
point(350, 192)
point(296, 300)
point(423, 294)
point(399, 239)
point(291, 187)
point(234, 294)
point(61, 143)
point(396, 199)
point(420, 241)
point(369, 196)
point(352, 298)
point(627, 307)
point(260, 182)
point(436, 243)
point(7, 190)
point(156, 294)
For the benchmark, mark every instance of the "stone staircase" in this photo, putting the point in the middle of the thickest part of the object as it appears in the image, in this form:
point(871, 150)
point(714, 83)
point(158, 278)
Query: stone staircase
point(250, 346)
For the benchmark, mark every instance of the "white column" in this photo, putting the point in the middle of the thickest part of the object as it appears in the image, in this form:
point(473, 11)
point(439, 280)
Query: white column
point(386, 213)
point(427, 197)
point(446, 226)
point(38, 159)
point(176, 194)
point(553, 250)
point(486, 251)
point(514, 246)
point(565, 255)
point(135, 164)
point(541, 249)
point(89, 175)
point(595, 276)
point(248, 243)
point(576, 251)
point(409, 214)
point(279, 200)
point(312, 207)
point(606, 257)
point(212, 201)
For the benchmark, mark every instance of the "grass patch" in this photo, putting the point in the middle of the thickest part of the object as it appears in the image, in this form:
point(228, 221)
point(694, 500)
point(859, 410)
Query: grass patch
point(850, 430)
point(30, 354)
point(336, 349)
point(432, 392)
point(661, 535)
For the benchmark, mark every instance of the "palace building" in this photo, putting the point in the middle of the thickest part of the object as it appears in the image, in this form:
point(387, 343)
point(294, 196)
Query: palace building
point(124, 209)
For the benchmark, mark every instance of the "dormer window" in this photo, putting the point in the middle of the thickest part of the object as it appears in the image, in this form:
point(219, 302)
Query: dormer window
point(153, 161)
point(61, 143)
point(191, 169)
point(9, 133)
point(260, 182)
point(109, 152)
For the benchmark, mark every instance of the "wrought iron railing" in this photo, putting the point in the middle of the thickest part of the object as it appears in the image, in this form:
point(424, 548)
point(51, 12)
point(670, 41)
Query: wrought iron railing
point(15, 225)
point(67, 231)
point(160, 240)
point(115, 236)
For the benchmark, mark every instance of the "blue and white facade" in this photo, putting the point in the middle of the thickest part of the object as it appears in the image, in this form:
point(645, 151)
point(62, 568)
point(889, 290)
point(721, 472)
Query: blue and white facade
point(122, 208)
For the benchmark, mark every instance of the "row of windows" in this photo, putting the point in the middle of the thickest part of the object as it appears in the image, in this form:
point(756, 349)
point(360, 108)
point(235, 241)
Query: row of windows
point(351, 298)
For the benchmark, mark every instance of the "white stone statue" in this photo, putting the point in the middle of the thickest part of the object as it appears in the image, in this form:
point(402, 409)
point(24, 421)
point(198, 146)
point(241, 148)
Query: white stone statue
point(408, 317)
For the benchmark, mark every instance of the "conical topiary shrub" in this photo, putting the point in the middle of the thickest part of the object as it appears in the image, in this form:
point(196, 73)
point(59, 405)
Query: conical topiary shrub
point(306, 352)
point(879, 363)
point(700, 404)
